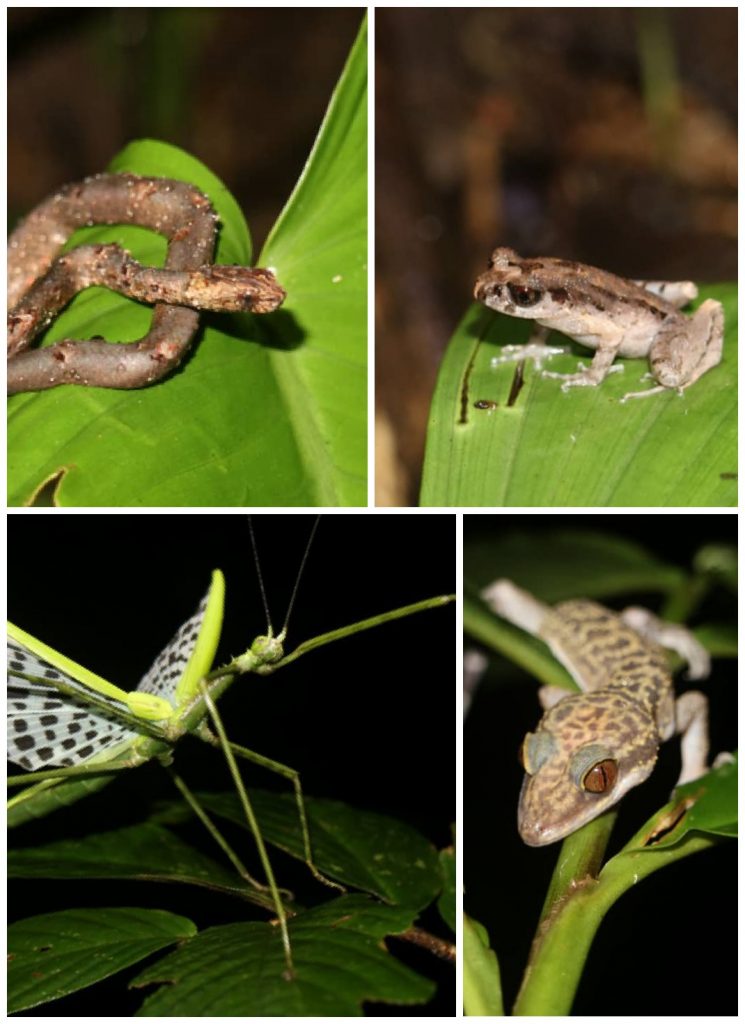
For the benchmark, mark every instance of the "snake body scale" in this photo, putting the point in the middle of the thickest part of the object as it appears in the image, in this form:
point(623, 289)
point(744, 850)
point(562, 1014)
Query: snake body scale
point(41, 281)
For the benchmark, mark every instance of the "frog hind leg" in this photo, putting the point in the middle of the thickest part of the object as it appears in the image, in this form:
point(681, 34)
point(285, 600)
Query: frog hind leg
point(679, 356)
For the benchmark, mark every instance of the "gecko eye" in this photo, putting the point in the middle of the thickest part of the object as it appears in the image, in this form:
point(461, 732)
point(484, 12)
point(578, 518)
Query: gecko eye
point(523, 296)
point(601, 777)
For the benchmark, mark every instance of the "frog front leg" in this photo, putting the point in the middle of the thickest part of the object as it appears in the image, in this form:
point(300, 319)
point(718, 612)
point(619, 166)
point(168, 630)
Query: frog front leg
point(683, 351)
point(597, 371)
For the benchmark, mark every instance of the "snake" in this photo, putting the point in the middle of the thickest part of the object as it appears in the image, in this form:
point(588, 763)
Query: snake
point(42, 279)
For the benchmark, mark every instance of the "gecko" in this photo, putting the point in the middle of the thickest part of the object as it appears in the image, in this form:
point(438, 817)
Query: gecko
point(591, 748)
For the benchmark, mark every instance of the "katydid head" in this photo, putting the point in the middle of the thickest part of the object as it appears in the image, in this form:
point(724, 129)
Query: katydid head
point(269, 649)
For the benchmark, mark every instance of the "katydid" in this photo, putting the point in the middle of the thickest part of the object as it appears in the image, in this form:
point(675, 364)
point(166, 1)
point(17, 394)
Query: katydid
point(65, 723)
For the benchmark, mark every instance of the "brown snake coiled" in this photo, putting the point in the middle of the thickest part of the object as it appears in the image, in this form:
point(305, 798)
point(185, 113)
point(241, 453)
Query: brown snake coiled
point(41, 282)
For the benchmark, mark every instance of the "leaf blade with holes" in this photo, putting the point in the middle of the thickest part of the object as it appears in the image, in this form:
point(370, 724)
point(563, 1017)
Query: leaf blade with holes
point(339, 957)
point(53, 955)
point(581, 448)
point(372, 852)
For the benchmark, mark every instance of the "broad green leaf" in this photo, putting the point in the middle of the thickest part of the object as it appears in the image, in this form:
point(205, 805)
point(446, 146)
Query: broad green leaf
point(319, 246)
point(140, 853)
point(582, 447)
point(382, 856)
point(265, 410)
point(238, 970)
point(482, 984)
point(52, 955)
point(707, 805)
point(558, 564)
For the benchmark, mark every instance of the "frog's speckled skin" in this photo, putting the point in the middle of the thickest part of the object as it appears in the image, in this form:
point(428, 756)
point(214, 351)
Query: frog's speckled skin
point(628, 708)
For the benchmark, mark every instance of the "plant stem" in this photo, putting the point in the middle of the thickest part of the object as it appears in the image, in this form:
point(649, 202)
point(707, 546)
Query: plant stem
point(564, 939)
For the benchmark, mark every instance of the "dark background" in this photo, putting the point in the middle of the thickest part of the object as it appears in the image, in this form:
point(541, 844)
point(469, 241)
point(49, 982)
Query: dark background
point(244, 90)
point(668, 946)
point(604, 135)
point(367, 720)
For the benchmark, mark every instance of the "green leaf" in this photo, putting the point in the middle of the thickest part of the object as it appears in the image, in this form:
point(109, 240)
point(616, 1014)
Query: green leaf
point(239, 970)
point(319, 246)
point(707, 805)
point(265, 410)
point(374, 853)
point(558, 564)
point(446, 902)
point(583, 447)
point(52, 955)
point(139, 853)
point(482, 985)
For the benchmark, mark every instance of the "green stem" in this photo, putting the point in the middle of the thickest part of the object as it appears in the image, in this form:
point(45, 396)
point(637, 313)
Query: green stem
point(254, 826)
point(525, 651)
point(359, 627)
point(76, 771)
point(565, 936)
point(217, 835)
point(581, 857)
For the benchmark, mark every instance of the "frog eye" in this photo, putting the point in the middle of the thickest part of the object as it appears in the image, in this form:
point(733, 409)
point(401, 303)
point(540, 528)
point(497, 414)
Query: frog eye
point(523, 296)
point(601, 777)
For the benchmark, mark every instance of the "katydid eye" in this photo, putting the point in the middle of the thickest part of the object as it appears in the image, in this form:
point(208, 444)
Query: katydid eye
point(601, 777)
point(523, 296)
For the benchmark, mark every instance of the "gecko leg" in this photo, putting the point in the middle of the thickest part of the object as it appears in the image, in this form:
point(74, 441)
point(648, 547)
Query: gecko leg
point(516, 605)
point(672, 636)
point(692, 724)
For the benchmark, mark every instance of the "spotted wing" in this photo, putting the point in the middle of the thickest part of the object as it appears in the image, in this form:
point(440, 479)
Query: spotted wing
point(175, 673)
point(48, 728)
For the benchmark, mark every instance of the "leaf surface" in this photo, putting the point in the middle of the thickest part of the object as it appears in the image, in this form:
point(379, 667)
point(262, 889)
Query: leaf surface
point(265, 410)
point(583, 447)
point(239, 969)
point(52, 955)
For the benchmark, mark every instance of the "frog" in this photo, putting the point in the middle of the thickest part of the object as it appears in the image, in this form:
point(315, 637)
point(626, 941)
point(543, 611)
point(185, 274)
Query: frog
point(590, 748)
point(610, 314)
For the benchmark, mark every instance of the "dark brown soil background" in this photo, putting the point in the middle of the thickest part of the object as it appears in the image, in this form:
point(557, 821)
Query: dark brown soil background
point(601, 135)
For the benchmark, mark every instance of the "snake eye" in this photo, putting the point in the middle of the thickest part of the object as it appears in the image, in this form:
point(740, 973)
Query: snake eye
point(523, 296)
point(601, 777)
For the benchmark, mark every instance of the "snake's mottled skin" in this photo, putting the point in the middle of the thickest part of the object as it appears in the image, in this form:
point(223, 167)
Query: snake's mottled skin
point(41, 281)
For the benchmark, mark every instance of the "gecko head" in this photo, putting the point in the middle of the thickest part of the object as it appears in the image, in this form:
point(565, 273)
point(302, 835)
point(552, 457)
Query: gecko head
point(587, 752)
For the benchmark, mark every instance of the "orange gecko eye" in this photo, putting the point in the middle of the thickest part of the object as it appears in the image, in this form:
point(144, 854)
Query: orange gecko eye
point(601, 777)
